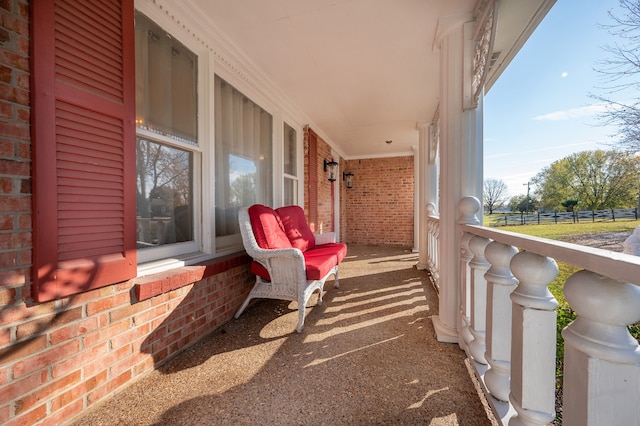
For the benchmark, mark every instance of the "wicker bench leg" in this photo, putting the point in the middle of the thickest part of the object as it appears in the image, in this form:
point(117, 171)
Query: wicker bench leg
point(243, 306)
point(301, 312)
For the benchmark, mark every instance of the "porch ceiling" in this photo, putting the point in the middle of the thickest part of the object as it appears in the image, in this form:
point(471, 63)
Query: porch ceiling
point(362, 71)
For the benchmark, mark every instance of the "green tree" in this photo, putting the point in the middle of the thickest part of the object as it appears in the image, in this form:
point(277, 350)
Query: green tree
point(570, 205)
point(518, 203)
point(597, 179)
point(494, 194)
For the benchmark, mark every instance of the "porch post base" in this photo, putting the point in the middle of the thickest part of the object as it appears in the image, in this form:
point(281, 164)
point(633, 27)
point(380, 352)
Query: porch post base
point(444, 333)
point(420, 266)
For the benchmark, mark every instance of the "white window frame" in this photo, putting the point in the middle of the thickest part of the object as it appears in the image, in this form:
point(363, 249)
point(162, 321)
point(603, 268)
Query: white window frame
point(214, 58)
point(168, 256)
point(299, 177)
point(233, 243)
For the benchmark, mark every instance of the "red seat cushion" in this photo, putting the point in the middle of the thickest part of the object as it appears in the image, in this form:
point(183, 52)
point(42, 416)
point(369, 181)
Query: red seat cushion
point(267, 227)
point(261, 271)
point(318, 261)
point(339, 249)
point(296, 227)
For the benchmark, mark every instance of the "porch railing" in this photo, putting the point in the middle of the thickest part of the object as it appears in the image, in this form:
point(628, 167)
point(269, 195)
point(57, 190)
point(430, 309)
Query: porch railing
point(433, 233)
point(507, 326)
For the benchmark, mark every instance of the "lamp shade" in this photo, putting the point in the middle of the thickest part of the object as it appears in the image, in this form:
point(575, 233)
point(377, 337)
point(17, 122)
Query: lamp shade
point(348, 179)
point(332, 168)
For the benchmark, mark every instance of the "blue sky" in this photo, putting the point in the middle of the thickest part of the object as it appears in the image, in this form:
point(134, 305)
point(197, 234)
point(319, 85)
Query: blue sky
point(540, 109)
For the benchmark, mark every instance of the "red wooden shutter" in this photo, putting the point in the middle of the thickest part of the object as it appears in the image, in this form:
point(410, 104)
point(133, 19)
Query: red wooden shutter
point(83, 112)
point(313, 180)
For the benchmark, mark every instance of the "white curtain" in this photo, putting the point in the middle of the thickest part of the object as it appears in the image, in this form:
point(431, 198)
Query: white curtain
point(166, 83)
point(243, 152)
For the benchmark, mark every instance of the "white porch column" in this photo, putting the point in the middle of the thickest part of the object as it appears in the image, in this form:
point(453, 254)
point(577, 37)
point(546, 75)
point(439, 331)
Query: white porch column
point(432, 162)
point(422, 181)
point(460, 135)
point(417, 190)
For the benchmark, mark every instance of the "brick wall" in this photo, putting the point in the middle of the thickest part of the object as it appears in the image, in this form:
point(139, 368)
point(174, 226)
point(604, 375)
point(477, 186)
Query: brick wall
point(343, 201)
point(60, 358)
point(65, 356)
point(379, 207)
point(15, 155)
point(325, 200)
point(325, 220)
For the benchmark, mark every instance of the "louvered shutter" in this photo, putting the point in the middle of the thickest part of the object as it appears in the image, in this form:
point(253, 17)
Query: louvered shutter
point(83, 112)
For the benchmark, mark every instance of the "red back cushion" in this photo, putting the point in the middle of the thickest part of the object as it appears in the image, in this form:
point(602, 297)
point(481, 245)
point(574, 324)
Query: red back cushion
point(267, 227)
point(296, 227)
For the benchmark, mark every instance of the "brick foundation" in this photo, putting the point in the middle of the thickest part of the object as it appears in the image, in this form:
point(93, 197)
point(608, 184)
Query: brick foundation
point(60, 358)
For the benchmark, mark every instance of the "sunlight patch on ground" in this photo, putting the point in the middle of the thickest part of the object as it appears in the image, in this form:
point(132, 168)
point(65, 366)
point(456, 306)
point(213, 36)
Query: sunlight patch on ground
point(451, 419)
point(323, 360)
point(335, 331)
point(281, 325)
point(217, 374)
point(383, 307)
point(363, 295)
point(418, 404)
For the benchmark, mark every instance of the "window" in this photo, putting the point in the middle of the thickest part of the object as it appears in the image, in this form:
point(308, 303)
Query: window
point(243, 160)
point(290, 166)
point(167, 149)
point(164, 189)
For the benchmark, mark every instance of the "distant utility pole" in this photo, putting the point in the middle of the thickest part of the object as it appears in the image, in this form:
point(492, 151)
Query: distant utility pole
point(526, 203)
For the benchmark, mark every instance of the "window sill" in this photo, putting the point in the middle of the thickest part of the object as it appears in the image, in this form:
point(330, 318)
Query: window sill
point(156, 284)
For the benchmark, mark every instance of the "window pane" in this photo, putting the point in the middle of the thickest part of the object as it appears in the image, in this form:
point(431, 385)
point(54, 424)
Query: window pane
point(243, 156)
point(290, 191)
point(290, 151)
point(164, 194)
point(166, 83)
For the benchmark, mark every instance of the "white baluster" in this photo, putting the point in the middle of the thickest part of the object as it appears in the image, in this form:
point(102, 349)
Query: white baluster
point(465, 337)
point(632, 244)
point(479, 266)
point(436, 237)
point(601, 358)
point(533, 337)
point(500, 285)
point(469, 207)
point(432, 241)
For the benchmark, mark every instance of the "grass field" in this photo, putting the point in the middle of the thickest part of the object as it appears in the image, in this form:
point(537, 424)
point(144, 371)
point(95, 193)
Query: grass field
point(562, 231)
point(557, 231)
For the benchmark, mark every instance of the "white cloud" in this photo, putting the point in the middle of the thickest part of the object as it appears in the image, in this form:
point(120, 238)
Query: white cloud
point(569, 114)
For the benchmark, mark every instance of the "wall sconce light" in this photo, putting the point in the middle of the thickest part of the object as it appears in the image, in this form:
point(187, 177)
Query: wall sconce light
point(332, 167)
point(348, 178)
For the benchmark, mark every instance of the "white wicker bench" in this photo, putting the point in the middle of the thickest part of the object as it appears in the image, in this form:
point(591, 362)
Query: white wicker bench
point(289, 261)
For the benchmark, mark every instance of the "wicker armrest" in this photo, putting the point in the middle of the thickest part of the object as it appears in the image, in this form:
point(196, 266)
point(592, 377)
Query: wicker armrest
point(259, 253)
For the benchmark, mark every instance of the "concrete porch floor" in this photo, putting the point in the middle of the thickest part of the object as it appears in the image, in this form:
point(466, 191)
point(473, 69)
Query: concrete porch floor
point(367, 356)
